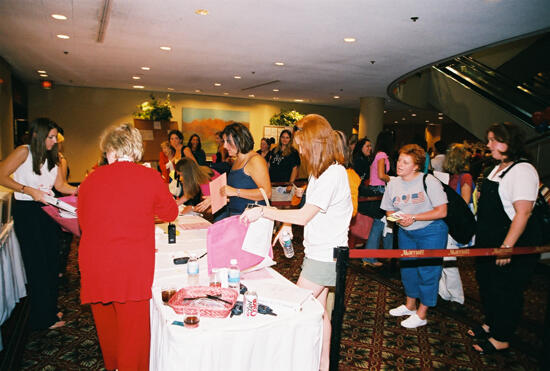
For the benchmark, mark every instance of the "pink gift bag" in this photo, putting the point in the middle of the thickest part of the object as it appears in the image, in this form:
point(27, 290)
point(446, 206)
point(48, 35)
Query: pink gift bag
point(67, 224)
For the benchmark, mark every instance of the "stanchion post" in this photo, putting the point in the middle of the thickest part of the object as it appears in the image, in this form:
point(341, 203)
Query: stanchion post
point(342, 258)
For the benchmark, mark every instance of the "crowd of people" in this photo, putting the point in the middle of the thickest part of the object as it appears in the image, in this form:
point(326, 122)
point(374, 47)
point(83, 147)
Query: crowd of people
point(495, 179)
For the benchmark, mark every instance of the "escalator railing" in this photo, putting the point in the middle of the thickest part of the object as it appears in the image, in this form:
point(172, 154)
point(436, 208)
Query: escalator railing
point(520, 99)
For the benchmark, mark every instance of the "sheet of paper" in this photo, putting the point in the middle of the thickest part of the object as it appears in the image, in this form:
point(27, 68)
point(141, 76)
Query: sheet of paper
point(147, 134)
point(218, 201)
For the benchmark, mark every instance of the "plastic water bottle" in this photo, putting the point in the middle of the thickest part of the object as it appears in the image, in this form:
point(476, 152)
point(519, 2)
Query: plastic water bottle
point(287, 245)
point(234, 276)
point(193, 270)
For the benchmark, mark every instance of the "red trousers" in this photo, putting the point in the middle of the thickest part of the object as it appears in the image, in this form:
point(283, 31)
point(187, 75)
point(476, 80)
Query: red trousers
point(124, 333)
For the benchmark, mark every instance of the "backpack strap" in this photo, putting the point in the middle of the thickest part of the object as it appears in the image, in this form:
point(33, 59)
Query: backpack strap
point(425, 187)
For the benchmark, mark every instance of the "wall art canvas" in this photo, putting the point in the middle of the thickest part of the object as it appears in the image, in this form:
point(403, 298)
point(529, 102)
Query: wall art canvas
point(206, 122)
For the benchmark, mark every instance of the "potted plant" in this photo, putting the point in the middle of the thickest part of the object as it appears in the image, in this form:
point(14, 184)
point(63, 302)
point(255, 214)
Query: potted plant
point(286, 118)
point(154, 109)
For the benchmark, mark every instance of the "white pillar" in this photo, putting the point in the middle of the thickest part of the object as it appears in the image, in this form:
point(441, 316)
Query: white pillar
point(371, 117)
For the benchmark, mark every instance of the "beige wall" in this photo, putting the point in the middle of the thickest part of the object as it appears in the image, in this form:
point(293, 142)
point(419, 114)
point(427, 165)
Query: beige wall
point(85, 112)
point(6, 110)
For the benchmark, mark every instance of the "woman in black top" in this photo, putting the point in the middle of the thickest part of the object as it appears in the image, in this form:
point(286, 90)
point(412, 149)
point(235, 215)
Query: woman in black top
point(194, 144)
point(264, 150)
point(284, 161)
point(362, 158)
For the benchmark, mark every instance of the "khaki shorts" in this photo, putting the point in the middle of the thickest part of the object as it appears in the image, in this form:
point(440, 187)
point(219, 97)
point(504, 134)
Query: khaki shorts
point(321, 273)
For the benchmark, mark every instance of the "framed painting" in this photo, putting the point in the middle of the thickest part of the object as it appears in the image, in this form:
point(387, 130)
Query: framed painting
point(206, 122)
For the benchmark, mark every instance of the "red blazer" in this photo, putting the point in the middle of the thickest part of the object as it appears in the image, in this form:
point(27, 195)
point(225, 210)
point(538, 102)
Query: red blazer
point(163, 160)
point(117, 205)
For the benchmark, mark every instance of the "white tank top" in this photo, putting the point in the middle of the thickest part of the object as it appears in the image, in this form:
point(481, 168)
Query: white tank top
point(24, 175)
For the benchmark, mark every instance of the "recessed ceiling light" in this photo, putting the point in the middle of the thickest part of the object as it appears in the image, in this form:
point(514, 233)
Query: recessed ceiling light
point(427, 120)
point(136, 77)
point(171, 89)
point(217, 84)
point(138, 86)
point(440, 117)
point(402, 118)
point(275, 90)
point(61, 36)
point(298, 100)
point(440, 113)
point(385, 111)
point(349, 39)
point(276, 98)
point(146, 68)
point(166, 48)
point(251, 95)
point(336, 97)
point(395, 122)
point(226, 93)
point(237, 77)
point(43, 75)
point(60, 17)
point(197, 91)
point(413, 114)
point(201, 12)
point(279, 63)
point(41, 71)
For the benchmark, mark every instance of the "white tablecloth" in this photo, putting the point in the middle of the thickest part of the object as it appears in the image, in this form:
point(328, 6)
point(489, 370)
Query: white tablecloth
point(12, 273)
point(290, 341)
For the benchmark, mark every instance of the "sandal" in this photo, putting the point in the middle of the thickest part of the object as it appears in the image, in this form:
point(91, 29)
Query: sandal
point(58, 324)
point(488, 348)
point(478, 332)
point(370, 264)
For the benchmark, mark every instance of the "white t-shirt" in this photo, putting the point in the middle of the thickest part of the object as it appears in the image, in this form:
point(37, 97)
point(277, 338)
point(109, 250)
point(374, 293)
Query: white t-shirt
point(26, 176)
point(329, 227)
point(520, 183)
point(437, 162)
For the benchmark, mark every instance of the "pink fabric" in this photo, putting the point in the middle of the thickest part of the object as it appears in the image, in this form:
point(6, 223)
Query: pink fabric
point(67, 224)
point(224, 241)
point(374, 179)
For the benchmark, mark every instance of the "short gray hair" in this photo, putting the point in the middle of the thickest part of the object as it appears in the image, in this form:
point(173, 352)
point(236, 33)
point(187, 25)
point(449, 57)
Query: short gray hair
point(124, 140)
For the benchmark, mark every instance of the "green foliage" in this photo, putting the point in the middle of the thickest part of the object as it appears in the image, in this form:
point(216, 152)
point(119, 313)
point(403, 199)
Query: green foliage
point(154, 109)
point(286, 118)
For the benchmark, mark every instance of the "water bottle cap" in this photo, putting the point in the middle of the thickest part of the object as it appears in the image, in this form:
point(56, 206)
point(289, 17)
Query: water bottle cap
point(233, 261)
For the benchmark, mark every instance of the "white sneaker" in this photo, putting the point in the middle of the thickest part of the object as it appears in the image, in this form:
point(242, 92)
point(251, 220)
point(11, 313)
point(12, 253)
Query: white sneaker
point(414, 321)
point(401, 310)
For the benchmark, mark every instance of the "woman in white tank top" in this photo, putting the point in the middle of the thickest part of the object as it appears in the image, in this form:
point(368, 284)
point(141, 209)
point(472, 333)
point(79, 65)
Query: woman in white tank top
point(35, 172)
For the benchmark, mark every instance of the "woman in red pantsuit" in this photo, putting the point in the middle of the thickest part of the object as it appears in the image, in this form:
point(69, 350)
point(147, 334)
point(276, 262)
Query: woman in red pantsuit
point(117, 205)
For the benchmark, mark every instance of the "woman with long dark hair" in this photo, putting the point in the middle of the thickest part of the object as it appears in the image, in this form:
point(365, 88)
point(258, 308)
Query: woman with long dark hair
point(506, 200)
point(35, 170)
point(284, 161)
point(194, 144)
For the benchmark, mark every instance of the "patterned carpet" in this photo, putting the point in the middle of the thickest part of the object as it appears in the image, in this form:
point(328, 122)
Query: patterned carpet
point(371, 339)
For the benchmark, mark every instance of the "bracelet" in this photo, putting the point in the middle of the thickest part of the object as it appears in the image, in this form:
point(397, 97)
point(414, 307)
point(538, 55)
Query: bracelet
point(414, 218)
point(22, 189)
point(238, 192)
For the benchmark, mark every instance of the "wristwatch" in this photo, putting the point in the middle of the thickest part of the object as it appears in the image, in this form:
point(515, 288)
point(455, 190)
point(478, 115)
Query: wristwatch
point(414, 218)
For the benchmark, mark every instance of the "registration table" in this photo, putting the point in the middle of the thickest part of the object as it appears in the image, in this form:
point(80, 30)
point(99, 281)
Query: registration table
point(289, 341)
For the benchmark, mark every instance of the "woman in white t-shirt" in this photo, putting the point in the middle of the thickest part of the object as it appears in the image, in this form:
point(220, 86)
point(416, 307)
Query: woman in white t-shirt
point(504, 208)
point(35, 170)
point(325, 215)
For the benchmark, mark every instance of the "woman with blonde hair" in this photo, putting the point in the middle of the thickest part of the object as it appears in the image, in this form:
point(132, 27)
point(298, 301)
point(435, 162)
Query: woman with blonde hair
point(166, 160)
point(117, 206)
point(325, 216)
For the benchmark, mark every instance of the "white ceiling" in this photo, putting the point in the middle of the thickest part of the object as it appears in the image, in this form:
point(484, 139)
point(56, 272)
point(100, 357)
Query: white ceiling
point(246, 37)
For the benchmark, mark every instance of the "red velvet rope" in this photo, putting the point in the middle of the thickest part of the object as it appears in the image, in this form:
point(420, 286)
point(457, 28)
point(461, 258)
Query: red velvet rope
point(362, 253)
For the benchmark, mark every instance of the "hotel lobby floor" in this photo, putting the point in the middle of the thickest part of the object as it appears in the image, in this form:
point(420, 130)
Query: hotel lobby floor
point(371, 339)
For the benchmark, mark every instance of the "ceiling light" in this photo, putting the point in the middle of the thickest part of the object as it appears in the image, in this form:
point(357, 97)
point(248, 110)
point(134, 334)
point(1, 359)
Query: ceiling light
point(276, 98)
point(171, 89)
point(201, 12)
point(279, 63)
point(336, 97)
point(43, 75)
point(138, 86)
point(349, 39)
point(298, 100)
point(166, 48)
point(275, 90)
point(146, 68)
point(402, 118)
point(197, 91)
point(217, 84)
point(385, 111)
point(41, 71)
point(395, 122)
point(60, 17)
point(413, 114)
point(251, 95)
point(61, 36)
point(427, 120)
point(136, 77)
point(440, 117)
point(225, 93)
point(237, 77)
point(440, 113)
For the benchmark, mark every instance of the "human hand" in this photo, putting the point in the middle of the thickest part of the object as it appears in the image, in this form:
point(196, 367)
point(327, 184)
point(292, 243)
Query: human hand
point(502, 261)
point(284, 228)
point(405, 220)
point(204, 205)
point(299, 191)
point(288, 188)
point(37, 194)
point(251, 214)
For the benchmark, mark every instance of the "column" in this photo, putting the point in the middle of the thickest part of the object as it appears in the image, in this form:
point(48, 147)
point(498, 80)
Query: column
point(371, 117)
